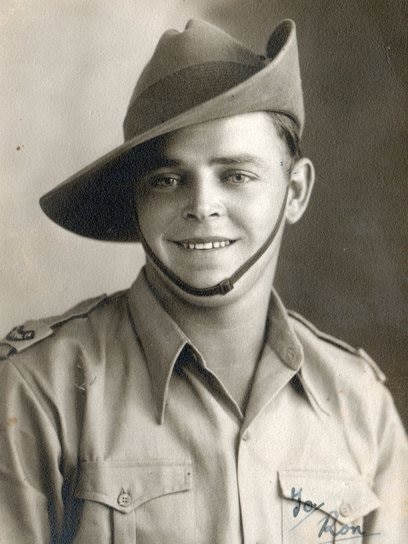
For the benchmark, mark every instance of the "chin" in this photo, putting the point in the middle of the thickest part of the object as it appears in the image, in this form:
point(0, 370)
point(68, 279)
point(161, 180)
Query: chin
point(202, 271)
point(203, 279)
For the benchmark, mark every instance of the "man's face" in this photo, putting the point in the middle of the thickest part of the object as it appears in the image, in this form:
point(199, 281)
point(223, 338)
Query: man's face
point(212, 196)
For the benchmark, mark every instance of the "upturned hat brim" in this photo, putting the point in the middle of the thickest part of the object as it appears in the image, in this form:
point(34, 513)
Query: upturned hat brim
point(98, 201)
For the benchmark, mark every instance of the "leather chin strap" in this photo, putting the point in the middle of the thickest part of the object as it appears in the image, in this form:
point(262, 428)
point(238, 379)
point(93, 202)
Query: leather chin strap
point(224, 286)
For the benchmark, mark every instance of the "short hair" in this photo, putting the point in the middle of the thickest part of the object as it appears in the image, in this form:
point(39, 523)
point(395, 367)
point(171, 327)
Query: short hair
point(288, 131)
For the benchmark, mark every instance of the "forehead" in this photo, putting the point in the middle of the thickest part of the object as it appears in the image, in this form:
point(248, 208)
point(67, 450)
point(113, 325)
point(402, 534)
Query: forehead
point(250, 136)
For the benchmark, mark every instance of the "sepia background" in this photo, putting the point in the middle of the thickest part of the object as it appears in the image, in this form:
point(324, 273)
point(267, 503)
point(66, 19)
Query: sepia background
point(68, 68)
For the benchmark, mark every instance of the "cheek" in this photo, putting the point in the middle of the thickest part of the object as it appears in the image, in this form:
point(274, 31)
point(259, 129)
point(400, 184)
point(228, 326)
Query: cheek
point(258, 216)
point(155, 213)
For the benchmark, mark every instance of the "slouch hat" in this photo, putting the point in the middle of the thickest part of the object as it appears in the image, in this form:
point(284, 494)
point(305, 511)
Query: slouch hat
point(194, 76)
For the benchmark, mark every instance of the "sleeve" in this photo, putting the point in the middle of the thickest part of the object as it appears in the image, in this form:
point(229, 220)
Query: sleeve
point(30, 479)
point(389, 523)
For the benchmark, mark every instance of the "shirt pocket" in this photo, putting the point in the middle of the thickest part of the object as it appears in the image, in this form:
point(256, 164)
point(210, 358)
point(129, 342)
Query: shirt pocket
point(324, 507)
point(142, 502)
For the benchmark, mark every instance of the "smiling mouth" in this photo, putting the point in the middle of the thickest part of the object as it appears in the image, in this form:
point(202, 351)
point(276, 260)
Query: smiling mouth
point(203, 245)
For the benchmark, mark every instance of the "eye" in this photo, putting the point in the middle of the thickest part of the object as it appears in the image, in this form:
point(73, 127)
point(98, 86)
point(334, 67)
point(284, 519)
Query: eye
point(165, 182)
point(238, 178)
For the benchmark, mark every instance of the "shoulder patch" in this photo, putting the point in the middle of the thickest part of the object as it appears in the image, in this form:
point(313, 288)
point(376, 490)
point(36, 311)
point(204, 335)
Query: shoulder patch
point(327, 337)
point(24, 336)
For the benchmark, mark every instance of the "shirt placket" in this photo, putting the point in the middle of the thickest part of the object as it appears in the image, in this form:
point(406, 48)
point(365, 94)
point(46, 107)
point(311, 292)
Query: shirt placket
point(255, 488)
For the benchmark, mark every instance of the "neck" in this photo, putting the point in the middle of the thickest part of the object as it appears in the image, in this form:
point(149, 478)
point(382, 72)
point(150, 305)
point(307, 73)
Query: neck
point(229, 331)
point(226, 330)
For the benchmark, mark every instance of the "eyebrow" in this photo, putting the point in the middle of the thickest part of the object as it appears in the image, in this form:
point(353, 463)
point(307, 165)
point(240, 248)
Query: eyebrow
point(238, 159)
point(163, 162)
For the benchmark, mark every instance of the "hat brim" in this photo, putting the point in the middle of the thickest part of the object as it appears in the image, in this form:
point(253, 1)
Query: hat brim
point(98, 201)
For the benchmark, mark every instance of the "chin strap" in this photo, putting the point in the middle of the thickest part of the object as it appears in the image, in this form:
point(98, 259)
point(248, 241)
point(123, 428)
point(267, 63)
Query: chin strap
point(224, 286)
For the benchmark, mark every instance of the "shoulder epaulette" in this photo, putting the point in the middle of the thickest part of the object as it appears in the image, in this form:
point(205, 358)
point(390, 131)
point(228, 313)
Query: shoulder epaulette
point(331, 339)
point(33, 331)
point(376, 369)
point(340, 344)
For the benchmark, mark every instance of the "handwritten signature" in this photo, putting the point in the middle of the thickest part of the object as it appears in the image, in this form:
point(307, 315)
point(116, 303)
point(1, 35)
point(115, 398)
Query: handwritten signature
point(328, 522)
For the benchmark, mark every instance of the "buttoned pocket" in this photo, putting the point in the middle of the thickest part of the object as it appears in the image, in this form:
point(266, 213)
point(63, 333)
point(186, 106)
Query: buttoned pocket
point(142, 502)
point(324, 507)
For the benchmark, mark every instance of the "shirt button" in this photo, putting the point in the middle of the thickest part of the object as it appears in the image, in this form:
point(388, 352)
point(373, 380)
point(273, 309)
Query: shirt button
point(245, 436)
point(124, 499)
point(345, 509)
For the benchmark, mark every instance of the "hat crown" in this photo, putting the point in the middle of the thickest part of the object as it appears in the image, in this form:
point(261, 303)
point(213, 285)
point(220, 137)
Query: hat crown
point(199, 43)
point(189, 69)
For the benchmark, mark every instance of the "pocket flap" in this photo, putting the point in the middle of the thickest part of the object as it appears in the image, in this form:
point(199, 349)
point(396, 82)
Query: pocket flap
point(342, 496)
point(125, 486)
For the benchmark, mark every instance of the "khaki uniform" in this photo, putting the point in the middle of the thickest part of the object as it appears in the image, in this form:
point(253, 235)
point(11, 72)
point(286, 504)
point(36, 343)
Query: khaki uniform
point(113, 430)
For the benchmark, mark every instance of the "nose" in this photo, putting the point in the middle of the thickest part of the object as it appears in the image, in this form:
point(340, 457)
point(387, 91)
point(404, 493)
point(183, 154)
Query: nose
point(203, 199)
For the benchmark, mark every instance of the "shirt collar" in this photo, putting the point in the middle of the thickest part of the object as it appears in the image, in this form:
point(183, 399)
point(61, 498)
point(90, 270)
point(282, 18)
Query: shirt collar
point(161, 338)
point(282, 337)
point(280, 334)
point(163, 341)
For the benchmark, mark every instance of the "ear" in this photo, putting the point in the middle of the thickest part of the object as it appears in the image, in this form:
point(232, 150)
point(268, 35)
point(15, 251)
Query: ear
point(301, 183)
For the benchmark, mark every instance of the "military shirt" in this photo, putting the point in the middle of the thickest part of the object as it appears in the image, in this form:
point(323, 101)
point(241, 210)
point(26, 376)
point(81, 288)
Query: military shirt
point(113, 429)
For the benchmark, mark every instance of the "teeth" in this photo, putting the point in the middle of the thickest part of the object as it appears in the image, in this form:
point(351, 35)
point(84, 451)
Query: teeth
point(206, 245)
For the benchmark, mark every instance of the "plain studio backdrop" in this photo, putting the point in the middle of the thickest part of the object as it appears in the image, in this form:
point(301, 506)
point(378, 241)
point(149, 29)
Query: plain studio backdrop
point(68, 69)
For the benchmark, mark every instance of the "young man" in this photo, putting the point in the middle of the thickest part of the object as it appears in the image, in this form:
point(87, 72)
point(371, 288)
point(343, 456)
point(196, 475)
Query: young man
point(194, 408)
